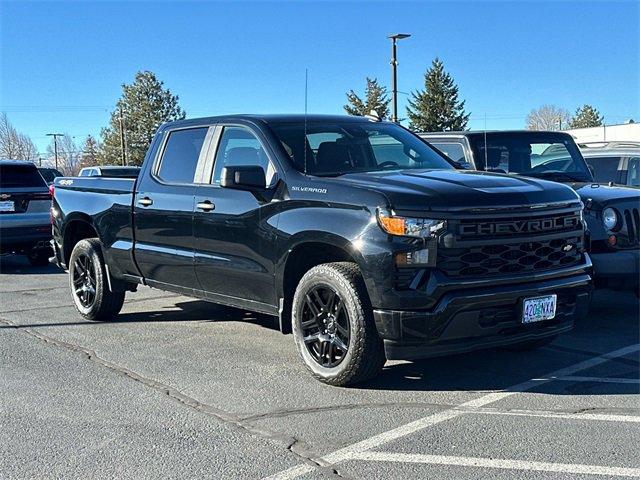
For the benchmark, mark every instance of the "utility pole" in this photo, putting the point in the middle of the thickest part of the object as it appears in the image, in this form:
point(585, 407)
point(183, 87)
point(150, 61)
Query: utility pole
point(122, 142)
point(394, 73)
point(55, 145)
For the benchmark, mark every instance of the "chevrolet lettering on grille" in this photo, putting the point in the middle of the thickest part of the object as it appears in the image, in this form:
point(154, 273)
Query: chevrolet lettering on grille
point(520, 226)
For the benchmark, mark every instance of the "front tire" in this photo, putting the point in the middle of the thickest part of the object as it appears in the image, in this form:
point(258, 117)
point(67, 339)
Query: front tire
point(88, 282)
point(333, 325)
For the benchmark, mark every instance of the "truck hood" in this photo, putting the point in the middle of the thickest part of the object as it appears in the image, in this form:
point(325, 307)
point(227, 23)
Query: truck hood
point(455, 189)
point(602, 194)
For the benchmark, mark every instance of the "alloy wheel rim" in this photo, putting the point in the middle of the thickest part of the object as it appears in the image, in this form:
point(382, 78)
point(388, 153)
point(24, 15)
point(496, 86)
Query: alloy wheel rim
point(84, 280)
point(325, 326)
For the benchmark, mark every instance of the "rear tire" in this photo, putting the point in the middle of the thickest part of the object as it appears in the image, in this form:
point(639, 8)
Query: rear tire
point(38, 257)
point(531, 344)
point(89, 285)
point(333, 325)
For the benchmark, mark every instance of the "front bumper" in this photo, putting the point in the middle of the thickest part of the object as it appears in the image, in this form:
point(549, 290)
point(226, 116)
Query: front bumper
point(485, 317)
point(619, 270)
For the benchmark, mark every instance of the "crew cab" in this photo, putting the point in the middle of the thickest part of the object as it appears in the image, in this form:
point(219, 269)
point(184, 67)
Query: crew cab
point(611, 212)
point(364, 241)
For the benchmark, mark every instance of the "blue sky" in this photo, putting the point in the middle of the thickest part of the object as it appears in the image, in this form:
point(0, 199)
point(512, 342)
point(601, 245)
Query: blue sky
point(62, 64)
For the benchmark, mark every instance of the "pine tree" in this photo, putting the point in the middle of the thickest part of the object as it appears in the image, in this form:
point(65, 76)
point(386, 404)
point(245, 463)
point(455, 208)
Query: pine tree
point(145, 105)
point(437, 108)
point(585, 117)
point(376, 98)
point(90, 155)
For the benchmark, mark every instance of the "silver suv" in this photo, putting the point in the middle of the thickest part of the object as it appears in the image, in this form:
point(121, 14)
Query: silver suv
point(25, 201)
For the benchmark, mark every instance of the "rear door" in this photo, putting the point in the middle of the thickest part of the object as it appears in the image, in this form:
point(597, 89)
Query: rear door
point(231, 227)
point(163, 208)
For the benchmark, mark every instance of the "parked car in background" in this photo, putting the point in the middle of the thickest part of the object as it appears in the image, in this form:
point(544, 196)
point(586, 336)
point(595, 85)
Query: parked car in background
point(616, 162)
point(358, 235)
point(49, 174)
point(110, 171)
point(25, 224)
point(612, 213)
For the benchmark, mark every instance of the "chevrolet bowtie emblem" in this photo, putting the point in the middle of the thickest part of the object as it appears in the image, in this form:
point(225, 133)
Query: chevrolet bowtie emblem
point(567, 248)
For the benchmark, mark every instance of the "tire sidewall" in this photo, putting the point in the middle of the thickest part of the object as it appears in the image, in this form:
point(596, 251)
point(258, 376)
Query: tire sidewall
point(325, 276)
point(89, 248)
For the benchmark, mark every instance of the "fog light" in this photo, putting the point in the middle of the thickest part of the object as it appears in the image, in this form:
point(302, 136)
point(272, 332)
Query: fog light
point(417, 257)
point(612, 240)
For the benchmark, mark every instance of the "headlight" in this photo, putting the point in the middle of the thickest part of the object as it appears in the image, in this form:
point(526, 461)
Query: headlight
point(408, 226)
point(610, 218)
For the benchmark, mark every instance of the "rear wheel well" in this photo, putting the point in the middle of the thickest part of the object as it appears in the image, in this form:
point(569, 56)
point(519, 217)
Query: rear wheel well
point(301, 259)
point(74, 232)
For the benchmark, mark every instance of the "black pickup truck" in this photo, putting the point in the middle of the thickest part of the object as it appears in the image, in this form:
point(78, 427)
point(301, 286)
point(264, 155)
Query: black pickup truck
point(612, 213)
point(359, 236)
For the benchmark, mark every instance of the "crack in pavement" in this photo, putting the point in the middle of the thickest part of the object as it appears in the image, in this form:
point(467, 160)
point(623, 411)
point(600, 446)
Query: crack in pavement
point(296, 446)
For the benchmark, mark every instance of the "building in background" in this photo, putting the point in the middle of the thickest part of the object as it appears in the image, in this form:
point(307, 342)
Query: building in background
point(626, 132)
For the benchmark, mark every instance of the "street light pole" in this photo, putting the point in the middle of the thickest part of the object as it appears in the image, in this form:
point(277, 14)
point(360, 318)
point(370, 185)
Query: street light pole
point(394, 73)
point(55, 145)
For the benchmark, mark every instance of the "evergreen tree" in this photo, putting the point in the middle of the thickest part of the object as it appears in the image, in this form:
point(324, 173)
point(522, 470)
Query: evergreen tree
point(145, 105)
point(376, 98)
point(90, 152)
point(586, 116)
point(437, 108)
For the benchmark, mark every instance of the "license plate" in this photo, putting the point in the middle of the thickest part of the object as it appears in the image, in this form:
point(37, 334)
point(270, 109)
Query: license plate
point(539, 308)
point(7, 206)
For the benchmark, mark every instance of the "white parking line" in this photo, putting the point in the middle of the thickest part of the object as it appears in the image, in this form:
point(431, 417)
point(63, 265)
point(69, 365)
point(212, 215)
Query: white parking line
point(358, 448)
point(602, 417)
point(498, 463)
point(575, 378)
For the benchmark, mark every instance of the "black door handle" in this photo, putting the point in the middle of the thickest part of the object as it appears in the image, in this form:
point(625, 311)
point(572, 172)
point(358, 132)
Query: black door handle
point(145, 201)
point(206, 206)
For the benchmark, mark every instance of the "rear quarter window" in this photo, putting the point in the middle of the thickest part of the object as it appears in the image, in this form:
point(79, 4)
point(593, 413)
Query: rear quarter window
point(16, 176)
point(181, 153)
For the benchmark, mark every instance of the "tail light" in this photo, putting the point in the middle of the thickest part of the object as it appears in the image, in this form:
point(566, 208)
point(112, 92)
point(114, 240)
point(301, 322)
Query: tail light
point(52, 189)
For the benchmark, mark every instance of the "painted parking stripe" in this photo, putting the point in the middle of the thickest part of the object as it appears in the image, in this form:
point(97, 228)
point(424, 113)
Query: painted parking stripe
point(576, 378)
point(422, 423)
point(600, 417)
point(497, 463)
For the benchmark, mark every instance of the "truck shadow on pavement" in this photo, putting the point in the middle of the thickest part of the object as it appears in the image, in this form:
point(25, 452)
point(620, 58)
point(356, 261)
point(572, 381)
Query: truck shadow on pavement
point(19, 265)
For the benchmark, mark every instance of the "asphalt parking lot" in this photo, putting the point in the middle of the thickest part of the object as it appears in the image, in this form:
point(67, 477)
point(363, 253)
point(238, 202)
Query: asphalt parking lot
point(179, 388)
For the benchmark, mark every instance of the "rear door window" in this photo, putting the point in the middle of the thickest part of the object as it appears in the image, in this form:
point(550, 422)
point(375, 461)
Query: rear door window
point(453, 151)
point(605, 168)
point(16, 176)
point(181, 154)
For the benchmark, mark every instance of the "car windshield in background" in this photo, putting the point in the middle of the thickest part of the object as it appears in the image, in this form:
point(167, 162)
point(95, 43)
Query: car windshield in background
point(333, 148)
point(12, 176)
point(545, 155)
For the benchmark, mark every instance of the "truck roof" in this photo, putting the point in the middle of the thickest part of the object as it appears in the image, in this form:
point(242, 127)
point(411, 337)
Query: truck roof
point(480, 132)
point(16, 162)
point(270, 118)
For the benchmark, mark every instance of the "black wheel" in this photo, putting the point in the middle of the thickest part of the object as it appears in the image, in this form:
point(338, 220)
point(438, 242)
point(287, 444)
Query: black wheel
point(88, 282)
point(39, 257)
point(333, 325)
point(531, 344)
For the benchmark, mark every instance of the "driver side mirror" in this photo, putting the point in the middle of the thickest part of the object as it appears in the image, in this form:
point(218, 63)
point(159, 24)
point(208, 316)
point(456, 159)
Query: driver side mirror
point(245, 177)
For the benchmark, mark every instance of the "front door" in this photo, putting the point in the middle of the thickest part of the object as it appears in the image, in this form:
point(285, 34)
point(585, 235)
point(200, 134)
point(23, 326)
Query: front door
point(232, 228)
point(164, 211)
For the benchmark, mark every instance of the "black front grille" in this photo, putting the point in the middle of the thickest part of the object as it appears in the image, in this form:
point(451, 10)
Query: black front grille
point(632, 225)
point(505, 259)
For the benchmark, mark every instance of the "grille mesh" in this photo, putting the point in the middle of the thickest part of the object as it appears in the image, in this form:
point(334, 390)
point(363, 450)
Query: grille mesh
point(510, 258)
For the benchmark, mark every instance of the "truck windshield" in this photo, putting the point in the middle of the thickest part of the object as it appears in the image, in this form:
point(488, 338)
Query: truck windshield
point(549, 155)
point(334, 148)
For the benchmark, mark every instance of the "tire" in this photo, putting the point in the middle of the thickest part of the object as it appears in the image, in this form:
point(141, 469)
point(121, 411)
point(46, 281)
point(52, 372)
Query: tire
point(530, 344)
point(88, 283)
point(38, 257)
point(348, 310)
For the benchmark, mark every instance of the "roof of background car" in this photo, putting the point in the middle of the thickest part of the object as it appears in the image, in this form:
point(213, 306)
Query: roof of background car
point(114, 167)
point(482, 132)
point(268, 118)
point(16, 162)
point(610, 152)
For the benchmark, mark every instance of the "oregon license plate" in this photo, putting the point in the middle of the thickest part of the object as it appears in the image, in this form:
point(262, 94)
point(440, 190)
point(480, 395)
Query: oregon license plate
point(539, 308)
point(7, 206)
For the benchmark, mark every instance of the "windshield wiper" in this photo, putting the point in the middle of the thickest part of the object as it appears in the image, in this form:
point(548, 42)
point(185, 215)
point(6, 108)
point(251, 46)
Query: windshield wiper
point(552, 174)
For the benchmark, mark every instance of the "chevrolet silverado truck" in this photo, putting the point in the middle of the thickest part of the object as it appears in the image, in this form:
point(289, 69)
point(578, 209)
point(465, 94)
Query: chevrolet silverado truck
point(362, 239)
point(612, 213)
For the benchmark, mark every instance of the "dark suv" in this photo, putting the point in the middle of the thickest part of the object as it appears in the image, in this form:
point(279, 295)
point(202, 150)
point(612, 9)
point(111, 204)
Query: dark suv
point(612, 213)
point(25, 225)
